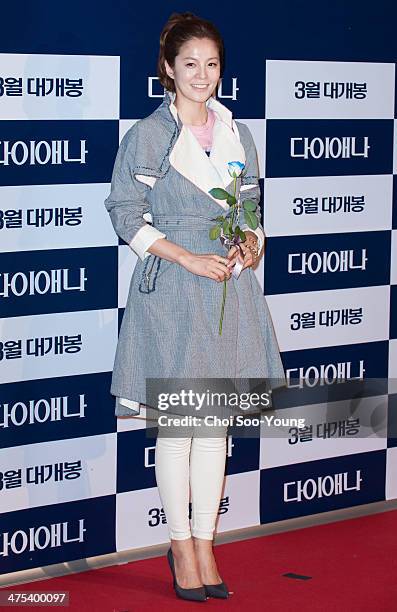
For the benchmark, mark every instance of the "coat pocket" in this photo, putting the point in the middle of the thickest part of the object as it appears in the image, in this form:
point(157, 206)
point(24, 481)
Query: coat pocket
point(151, 267)
point(154, 268)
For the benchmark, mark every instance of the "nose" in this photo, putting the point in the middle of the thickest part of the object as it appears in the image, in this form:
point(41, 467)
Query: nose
point(202, 72)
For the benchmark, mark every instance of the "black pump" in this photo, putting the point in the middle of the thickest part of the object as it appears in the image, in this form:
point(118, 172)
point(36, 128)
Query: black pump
point(219, 591)
point(196, 594)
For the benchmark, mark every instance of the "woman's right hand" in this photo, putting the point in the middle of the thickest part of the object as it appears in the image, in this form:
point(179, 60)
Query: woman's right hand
point(210, 265)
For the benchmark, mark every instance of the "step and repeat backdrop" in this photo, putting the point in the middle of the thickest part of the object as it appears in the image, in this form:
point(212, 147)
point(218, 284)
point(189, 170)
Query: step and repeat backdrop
point(75, 482)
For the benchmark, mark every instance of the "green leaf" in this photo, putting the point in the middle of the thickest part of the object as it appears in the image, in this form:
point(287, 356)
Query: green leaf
point(226, 226)
point(219, 193)
point(215, 232)
point(251, 219)
point(241, 234)
point(249, 205)
point(231, 199)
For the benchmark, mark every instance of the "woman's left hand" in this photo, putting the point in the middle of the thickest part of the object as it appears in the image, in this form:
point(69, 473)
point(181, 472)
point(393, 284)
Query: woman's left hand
point(249, 258)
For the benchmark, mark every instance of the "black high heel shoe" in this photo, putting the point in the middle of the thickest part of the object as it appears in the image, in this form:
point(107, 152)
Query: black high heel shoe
point(219, 591)
point(196, 594)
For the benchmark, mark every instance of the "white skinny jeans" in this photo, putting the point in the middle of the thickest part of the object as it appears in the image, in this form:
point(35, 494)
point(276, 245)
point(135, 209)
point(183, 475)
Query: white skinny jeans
point(200, 461)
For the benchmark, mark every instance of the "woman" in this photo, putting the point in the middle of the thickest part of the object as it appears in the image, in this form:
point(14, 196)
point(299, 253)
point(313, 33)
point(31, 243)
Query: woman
point(165, 166)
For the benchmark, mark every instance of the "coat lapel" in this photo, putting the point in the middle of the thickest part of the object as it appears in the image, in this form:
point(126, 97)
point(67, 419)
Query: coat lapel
point(190, 160)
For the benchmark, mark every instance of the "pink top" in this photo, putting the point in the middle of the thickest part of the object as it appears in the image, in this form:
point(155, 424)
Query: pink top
point(203, 133)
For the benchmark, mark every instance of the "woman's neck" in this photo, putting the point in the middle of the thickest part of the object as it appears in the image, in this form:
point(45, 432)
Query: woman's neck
point(191, 113)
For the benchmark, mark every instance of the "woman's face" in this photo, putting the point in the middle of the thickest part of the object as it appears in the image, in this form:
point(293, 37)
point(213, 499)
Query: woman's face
point(197, 69)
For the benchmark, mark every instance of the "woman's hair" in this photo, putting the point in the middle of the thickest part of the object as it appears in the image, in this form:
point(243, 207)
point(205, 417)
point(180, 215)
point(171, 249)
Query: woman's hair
point(180, 28)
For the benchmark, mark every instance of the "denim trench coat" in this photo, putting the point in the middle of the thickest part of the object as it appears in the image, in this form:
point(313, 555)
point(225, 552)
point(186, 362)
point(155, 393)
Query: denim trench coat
point(160, 188)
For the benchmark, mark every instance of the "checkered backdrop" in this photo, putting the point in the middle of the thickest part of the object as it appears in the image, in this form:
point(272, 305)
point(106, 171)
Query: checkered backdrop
point(325, 134)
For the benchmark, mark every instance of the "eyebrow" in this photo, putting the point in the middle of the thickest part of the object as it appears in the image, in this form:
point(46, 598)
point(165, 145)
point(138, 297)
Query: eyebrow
point(195, 58)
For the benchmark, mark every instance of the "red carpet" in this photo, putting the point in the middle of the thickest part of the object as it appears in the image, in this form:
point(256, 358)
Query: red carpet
point(352, 565)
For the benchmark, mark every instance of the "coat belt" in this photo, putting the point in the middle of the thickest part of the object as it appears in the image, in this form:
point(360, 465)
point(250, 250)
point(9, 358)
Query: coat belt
point(152, 263)
point(182, 222)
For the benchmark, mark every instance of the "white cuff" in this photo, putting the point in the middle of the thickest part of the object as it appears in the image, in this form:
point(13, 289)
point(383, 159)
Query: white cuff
point(144, 239)
point(129, 403)
point(259, 234)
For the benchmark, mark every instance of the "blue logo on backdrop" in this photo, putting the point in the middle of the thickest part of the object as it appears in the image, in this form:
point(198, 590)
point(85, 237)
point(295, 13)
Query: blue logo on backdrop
point(243, 453)
point(60, 532)
point(327, 261)
point(56, 409)
point(316, 147)
point(368, 358)
point(136, 450)
point(57, 152)
point(320, 486)
point(328, 373)
point(62, 280)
